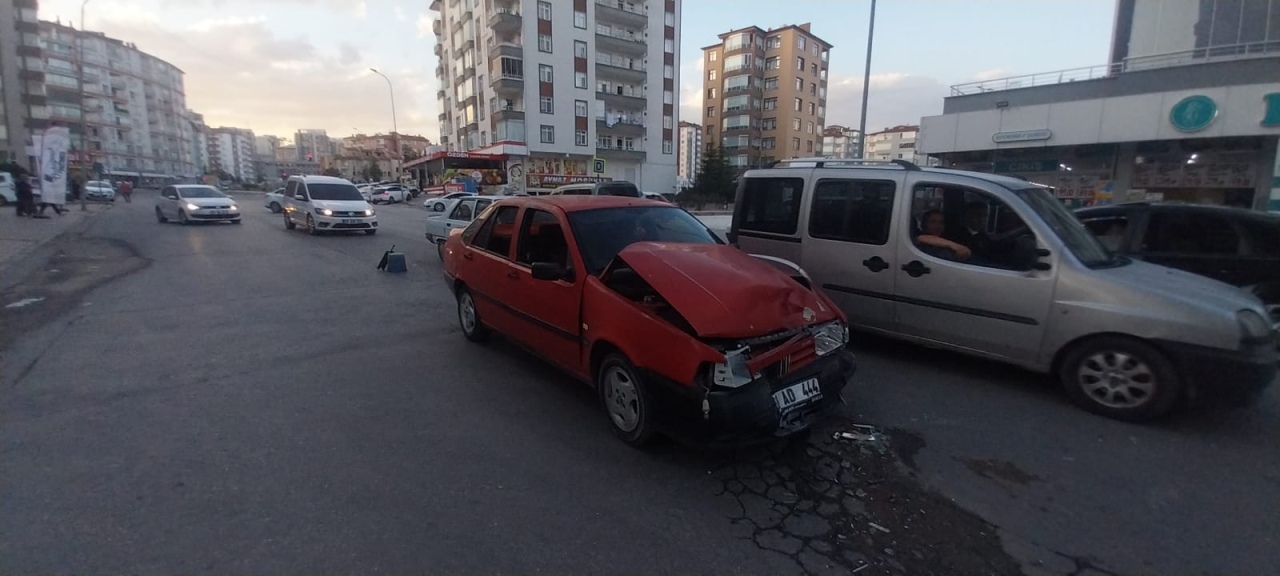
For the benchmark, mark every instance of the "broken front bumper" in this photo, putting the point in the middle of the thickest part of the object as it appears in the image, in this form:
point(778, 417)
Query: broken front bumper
point(748, 413)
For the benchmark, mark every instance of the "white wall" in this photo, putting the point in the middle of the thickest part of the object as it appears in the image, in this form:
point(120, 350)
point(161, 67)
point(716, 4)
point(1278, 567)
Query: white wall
point(1163, 26)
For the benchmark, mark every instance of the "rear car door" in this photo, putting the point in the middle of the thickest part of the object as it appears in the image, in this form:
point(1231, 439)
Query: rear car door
point(484, 268)
point(1195, 241)
point(766, 217)
point(460, 217)
point(549, 310)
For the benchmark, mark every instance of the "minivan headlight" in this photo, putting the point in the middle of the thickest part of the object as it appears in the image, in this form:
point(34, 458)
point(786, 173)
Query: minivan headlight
point(324, 211)
point(368, 212)
point(830, 338)
point(1253, 325)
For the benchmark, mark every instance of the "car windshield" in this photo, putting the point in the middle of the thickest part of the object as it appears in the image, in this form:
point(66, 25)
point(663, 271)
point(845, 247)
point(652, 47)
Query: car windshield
point(98, 184)
point(200, 192)
point(326, 191)
point(618, 189)
point(1074, 235)
point(604, 232)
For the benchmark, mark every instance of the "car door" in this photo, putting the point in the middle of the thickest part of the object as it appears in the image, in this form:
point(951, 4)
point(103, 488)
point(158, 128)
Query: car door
point(984, 304)
point(460, 216)
point(484, 268)
point(1195, 241)
point(847, 250)
point(548, 311)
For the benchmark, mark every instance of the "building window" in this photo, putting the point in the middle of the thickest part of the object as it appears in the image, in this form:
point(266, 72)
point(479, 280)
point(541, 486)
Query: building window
point(768, 143)
point(711, 74)
point(580, 79)
point(799, 85)
point(770, 124)
point(770, 103)
point(546, 105)
point(795, 142)
point(666, 147)
point(670, 18)
point(800, 65)
point(579, 137)
point(580, 108)
point(799, 104)
point(711, 92)
point(814, 69)
point(711, 111)
point(546, 73)
point(813, 89)
point(667, 122)
point(580, 20)
point(795, 124)
point(544, 43)
point(771, 83)
point(579, 49)
point(544, 10)
point(668, 71)
point(773, 43)
point(670, 45)
point(808, 127)
point(800, 43)
point(772, 63)
point(668, 97)
point(711, 56)
point(547, 134)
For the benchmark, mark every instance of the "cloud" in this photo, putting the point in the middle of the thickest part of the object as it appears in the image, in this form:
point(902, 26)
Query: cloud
point(691, 92)
point(424, 24)
point(214, 23)
point(399, 10)
point(992, 74)
point(348, 54)
point(361, 10)
point(895, 98)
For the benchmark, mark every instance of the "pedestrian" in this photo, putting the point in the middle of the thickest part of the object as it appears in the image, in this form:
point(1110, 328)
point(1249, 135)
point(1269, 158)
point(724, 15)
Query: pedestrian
point(126, 190)
point(76, 190)
point(22, 189)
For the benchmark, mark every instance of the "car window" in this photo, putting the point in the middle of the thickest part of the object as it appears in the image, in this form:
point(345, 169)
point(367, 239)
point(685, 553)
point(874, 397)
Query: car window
point(856, 211)
point(465, 211)
point(618, 189)
point(200, 192)
point(1262, 234)
point(1110, 230)
point(542, 239)
point(969, 226)
point(290, 188)
point(770, 205)
point(1190, 234)
point(604, 232)
point(498, 230)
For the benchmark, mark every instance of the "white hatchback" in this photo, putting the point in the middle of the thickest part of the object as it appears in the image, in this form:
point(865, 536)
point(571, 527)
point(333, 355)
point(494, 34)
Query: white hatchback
point(189, 203)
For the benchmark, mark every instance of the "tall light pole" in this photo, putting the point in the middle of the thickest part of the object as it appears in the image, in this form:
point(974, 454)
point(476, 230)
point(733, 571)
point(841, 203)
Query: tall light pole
point(866, 85)
point(84, 131)
point(395, 132)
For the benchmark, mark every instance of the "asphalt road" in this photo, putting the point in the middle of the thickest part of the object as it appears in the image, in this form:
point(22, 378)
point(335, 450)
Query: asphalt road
point(247, 399)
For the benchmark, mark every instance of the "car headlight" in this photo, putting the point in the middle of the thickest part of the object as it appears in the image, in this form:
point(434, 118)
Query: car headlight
point(324, 211)
point(191, 206)
point(830, 338)
point(368, 212)
point(234, 207)
point(1253, 325)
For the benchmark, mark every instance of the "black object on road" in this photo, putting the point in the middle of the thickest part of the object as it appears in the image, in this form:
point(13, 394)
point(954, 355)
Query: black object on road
point(382, 264)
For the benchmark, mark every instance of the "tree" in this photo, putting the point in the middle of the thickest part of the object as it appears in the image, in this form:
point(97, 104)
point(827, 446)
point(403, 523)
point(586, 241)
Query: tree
point(331, 171)
point(372, 172)
point(715, 178)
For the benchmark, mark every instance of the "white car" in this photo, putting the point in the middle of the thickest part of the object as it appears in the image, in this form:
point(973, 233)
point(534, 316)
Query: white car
point(442, 203)
point(99, 190)
point(8, 191)
point(275, 200)
point(188, 203)
point(389, 194)
point(366, 190)
point(327, 204)
point(463, 211)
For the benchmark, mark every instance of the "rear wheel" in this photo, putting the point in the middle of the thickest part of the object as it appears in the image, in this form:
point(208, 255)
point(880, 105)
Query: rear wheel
point(1121, 378)
point(625, 400)
point(160, 216)
point(469, 319)
point(275, 208)
point(288, 222)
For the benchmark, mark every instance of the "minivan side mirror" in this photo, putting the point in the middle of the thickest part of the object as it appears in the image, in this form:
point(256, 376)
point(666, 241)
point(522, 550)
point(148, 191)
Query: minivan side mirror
point(548, 271)
point(1041, 266)
point(1042, 252)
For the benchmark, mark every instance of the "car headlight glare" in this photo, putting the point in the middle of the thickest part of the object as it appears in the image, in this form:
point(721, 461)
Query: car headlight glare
point(191, 206)
point(1253, 325)
point(368, 212)
point(234, 207)
point(830, 338)
point(324, 211)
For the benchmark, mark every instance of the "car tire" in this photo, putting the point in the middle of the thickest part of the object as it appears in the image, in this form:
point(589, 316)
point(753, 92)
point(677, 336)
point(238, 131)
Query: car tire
point(182, 218)
point(160, 217)
point(275, 208)
point(625, 400)
point(371, 232)
point(311, 226)
point(1120, 378)
point(288, 223)
point(469, 319)
point(440, 250)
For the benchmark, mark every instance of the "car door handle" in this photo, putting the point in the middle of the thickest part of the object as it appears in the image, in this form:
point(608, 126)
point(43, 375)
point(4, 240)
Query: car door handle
point(915, 269)
point(875, 263)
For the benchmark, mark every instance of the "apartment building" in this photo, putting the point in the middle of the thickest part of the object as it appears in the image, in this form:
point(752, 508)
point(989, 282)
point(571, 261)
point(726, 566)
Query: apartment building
point(765, 94)
point(896, 143)
point(559, 89)
point(231, 150)
point(411, 145)
point(199, 144)
point(265, 146)
point(840, 142)
point(689, 150)
point(23, 104)
point(132, 104)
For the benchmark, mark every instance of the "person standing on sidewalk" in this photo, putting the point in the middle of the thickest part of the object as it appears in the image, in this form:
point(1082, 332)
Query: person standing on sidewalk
point(126, 190)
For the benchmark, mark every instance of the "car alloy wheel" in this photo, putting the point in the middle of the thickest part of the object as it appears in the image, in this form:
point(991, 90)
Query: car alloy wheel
point(469, 319)
point(625, 400)
point(1120, 378)
point(288, 222)
point(160, 216)
point(311, 225)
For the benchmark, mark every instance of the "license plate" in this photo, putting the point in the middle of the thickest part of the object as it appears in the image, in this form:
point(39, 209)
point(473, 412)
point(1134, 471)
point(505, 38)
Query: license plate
point(797, 394)
point(350, 221)
point(217, 212)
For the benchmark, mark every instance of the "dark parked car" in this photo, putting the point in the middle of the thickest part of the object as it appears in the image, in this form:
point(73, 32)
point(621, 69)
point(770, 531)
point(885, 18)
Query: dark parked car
point(1237, 246)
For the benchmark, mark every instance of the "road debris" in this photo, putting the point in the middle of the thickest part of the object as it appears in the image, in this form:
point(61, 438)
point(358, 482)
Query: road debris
point(878, 527)
point(25, 302)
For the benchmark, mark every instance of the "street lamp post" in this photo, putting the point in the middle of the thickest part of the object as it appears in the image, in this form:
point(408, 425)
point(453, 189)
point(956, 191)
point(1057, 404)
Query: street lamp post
point(395, 132)
point(84, 131)
point(866, 85)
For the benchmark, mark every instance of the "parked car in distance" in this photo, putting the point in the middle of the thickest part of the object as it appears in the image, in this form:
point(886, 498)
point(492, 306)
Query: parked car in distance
point(388, 194)
point(655, 196)
point(997, 267)
point(592, 283)
point(366, 192)
point(190, 203)
point(442, 203)
point(8, 190)
point(326, 204)
point(609, 188)
point(275, 200)
point(99, 190)
point(1232, 245)
point(461, 212)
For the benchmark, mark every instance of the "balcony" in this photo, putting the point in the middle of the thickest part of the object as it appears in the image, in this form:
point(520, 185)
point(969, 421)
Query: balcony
point(437, 27)
point(620, 41)
point(443, 117)
point(505, 21)
point(617, 70)
point(464, 75)
point(508, 84)
point(506, 48)
point(627, 100)
point(439, 94)
point(502, 115)
point(616, 12)
point(435, 6)
point(620, 125)
point(439, 48)
point(611, 151)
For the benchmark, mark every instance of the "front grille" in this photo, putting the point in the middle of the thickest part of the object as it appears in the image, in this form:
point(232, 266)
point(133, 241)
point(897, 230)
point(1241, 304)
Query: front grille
point(359, 214)
point(351, 226)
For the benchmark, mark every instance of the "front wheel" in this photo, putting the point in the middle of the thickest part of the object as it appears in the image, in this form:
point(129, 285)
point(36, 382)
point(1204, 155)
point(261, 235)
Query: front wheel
point(469, 319)
point(182, 218)
point(1121, 378)
point(275, 208)
point(625, 400)
point(311, 226)
point(288, 222)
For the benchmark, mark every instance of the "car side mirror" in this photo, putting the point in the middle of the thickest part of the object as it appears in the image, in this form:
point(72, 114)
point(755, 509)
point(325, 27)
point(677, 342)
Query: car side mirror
point(548, 271)
point(1042, 252)
point(1041, 266)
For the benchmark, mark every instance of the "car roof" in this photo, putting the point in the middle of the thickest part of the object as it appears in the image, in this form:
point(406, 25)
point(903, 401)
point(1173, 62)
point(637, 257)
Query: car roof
point(810, 164)
point(192, 186)
point(318, 179)
point(572, 203)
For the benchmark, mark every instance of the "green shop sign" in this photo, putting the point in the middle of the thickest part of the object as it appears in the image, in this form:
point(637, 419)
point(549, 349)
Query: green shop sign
point(1195, 113)
point(1015, 166)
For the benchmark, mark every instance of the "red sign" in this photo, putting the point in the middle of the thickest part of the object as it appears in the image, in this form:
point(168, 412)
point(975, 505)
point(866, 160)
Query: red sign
point(451, 187)
point(553, 180)
point(467, 155)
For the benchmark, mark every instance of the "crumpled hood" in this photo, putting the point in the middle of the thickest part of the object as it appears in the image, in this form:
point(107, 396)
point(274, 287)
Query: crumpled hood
point(342, 205)
point(723, 292)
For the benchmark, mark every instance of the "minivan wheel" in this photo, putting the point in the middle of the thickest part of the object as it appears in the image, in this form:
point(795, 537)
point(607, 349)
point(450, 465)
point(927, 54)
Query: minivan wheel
point(625, 400)
point(311, 225)
point(1120, 378)
point(288, 222)
point(469, 319)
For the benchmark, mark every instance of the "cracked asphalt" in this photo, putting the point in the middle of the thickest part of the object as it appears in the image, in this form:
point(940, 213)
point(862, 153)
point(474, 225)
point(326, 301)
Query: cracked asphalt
point(242, 399)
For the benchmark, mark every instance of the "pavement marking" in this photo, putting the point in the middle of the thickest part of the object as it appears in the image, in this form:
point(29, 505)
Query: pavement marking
point(25, 302)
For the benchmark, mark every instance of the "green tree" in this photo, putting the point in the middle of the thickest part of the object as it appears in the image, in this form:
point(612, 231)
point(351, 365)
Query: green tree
point(331, 171)
point(372, 172)
point(715, 178)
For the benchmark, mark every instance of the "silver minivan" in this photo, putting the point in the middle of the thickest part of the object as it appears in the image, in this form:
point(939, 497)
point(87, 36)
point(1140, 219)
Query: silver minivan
point(997, 267)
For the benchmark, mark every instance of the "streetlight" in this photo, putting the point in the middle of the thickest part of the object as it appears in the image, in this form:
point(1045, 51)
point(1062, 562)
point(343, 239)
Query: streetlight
point(866, 85)
point(84, 131)
point(395, 132)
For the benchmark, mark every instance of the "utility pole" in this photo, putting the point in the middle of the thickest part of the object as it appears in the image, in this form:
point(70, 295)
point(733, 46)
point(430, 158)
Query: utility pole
point(84, 130)
point(395, 132)
point(866, 85)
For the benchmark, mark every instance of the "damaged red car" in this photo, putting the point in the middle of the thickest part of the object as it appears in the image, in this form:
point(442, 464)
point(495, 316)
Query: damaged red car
point(679, 333)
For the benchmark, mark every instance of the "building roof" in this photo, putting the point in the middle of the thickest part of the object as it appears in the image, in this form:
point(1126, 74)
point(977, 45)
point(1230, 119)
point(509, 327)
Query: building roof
point(898, 128)
point(684, 124)
point(801, 27)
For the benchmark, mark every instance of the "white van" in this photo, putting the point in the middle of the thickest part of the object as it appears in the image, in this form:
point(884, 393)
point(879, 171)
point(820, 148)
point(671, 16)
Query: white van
point(327, 204)
point(997, 267)
point(610, 188)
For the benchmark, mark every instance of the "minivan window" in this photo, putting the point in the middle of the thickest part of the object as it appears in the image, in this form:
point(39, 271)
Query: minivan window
point(326, 191)
point(770, 205)
point(852, 210)
point(618, 189)
point(1068, 228)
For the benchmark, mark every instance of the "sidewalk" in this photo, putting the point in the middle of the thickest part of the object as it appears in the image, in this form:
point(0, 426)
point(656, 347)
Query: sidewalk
point(22, 236)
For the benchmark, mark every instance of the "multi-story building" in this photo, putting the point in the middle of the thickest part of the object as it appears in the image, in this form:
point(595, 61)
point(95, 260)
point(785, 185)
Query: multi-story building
point(266, 146)
point(199, 142)
point(897, 143)
point(231, 151)
point(550, 87)
point(312, 145)
point(412, 146)
point(689, 150)
point(840, 142)
point(765, 94)
point(23, 104)
point(287, 153)
point(1187, 109)
point(132, 103)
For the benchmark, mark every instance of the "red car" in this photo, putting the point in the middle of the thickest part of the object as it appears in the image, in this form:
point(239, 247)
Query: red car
point(679, 332)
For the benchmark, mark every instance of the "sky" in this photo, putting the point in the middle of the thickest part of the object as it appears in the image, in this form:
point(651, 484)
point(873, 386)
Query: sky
point(276, 66)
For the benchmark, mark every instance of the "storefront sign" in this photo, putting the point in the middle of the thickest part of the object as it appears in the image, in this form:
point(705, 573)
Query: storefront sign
point(1271, 107)
point(467, 155)
point(1022, 136)
point(553, 180)
point(1016, 166)
point(1193, 113)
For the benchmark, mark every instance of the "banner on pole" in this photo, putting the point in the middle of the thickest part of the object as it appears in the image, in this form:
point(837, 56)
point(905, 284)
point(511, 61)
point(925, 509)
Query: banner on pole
point(53, 164)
